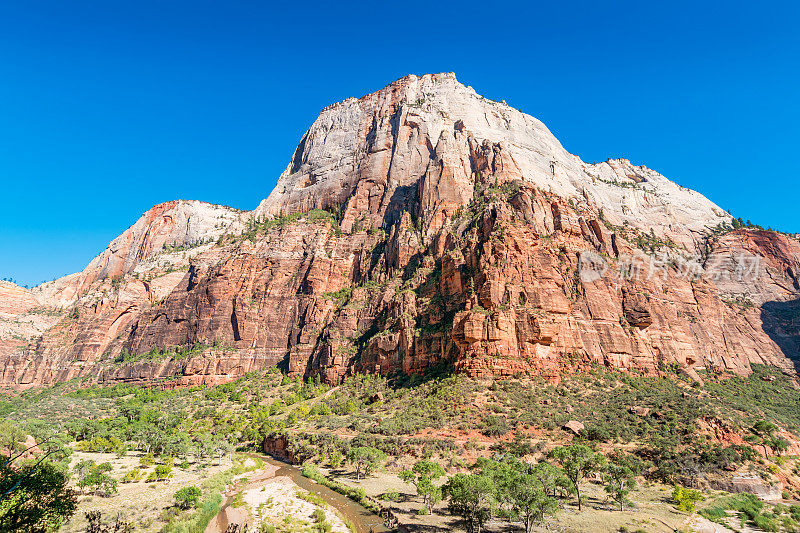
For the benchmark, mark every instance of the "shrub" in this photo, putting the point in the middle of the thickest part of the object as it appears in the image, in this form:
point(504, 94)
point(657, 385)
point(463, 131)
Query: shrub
point(495, 426)
point(161, 473)
point(765, 523)
point(390, 496)
point(187, 497)
point(685, 499)
point(133, 475)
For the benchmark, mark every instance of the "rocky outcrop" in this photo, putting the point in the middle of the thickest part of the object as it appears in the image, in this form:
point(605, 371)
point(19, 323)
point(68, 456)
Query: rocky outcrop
point(750, 484)
point(277, 445)
point(424, 224)
point(15, 300)
point(22, 318)
point(71, 323)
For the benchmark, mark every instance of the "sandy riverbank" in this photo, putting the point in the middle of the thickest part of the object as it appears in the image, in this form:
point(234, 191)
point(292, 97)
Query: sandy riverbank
point(261, 497)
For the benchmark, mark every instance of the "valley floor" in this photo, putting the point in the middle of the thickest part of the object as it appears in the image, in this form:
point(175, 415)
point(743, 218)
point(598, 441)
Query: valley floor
point(653, 511)
point(140, 504)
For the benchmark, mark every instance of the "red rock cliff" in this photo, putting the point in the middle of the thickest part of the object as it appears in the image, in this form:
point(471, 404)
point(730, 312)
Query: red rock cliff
point(423, 223)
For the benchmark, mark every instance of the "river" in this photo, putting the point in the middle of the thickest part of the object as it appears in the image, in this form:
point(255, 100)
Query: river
point(363, 520)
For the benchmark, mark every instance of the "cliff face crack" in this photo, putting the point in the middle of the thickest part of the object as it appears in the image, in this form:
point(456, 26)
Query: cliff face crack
point(235, 322)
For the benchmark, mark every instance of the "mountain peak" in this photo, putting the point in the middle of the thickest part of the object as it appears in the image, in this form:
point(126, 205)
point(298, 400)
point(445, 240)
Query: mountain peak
point(360, 152)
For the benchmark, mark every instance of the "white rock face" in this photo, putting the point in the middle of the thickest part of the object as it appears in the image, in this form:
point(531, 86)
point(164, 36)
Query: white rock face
point(165, 236)
point(409, 118)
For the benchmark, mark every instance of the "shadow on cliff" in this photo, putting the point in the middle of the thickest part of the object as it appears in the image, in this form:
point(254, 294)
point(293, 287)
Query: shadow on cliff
point(441, 370)
point(781, 321)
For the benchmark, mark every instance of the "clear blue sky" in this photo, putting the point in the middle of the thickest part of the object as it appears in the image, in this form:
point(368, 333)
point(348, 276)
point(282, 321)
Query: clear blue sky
point(109, 107)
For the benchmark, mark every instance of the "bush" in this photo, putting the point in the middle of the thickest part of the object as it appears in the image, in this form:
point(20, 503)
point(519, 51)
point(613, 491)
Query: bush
point(495, 426)
point(161, 473)
point(715, 514)
point(133, 475)
point(685, 499)
point(390, 496)
point(187, 497)
point(765, 523)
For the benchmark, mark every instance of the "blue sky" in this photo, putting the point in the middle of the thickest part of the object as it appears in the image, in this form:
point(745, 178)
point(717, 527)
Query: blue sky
point(110, 107)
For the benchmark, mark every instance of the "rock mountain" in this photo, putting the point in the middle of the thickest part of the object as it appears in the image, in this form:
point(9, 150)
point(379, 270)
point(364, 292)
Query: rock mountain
point(418, 225)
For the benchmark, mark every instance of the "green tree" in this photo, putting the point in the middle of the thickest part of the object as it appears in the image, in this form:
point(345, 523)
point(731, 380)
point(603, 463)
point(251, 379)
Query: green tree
point(187, 497)
point(11, 437)
point(82, 468)
point(422, 476)
point(519, 491)
point(34, 497)
point(335, 459)
point(177, 444)
point(471, 496)
point(619, 477)
point(779, 444)
point(161, 473)
point(98, 479)
point(529, 502)
point(551, 478)
point(577, 461)
point(366, 459)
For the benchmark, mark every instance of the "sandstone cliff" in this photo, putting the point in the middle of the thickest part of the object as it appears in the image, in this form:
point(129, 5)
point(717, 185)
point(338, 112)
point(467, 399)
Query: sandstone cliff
point(423, 224)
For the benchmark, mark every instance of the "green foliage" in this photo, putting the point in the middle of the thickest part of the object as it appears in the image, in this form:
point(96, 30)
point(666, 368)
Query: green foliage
point(96, 478)
point(133, 475)
point(521, 489)
point(209, 506)
point(419, 402)
point(356, 494)
point(650, 243)
point(34, 496)
point(577, 461)
point(111, 444)
point(753, 512)
point(619, 477)
point(261, 226)
point(187, 497)
point(685, 499)
point(161, 473)
point(495, 426)
point(340, 297)
point(175, 353)
point(765, 395)
point(422, 476)
point(366, 459)
point(765, 436)
point(472, 497)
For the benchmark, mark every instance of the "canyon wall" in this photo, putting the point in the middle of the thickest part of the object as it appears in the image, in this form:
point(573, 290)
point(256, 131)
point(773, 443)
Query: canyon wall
point(418, 225)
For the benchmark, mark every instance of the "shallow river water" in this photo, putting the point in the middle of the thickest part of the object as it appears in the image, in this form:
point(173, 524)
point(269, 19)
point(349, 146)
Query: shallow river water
point(364, 521)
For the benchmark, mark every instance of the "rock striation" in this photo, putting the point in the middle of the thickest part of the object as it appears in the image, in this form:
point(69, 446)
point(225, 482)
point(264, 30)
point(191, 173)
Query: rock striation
point(419, 225)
